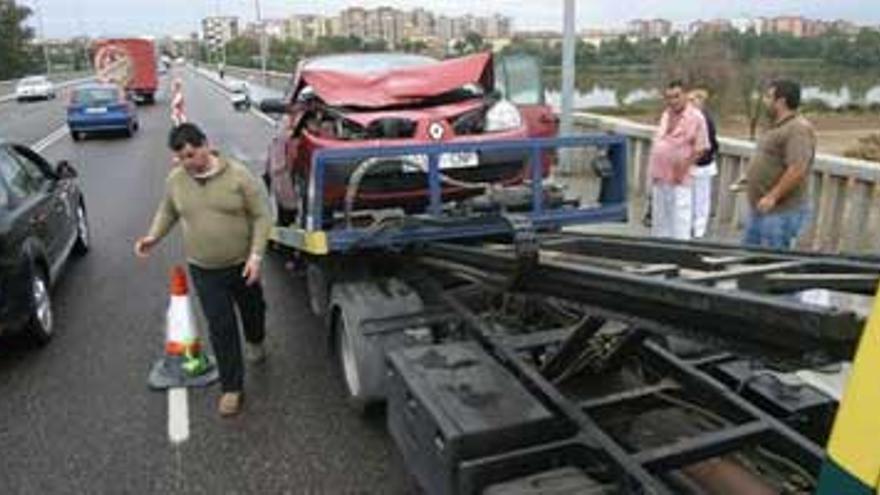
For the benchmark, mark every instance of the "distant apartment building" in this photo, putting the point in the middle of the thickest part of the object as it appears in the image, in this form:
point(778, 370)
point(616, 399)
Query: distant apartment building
point(844, 27)
point(714, 26)
point(757, 25)
point(219, 30)
point(395, 26)
point(353, 22)
point(498, 27)
point(793, 25)
point(813, 29)
point(596, 37)
point(650, 28)
point(423, 24)
point(308, 28)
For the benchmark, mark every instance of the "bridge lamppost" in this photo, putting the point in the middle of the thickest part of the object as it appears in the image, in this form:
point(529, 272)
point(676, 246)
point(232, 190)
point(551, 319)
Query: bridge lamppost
point(44, 40)
point(567, 97)
point(263, 41)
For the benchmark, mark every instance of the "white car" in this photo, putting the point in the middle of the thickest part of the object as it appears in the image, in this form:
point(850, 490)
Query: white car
point(34, 87)
point(239, 94)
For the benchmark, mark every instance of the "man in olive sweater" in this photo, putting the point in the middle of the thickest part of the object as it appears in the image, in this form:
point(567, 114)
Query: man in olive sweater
point(226, 224)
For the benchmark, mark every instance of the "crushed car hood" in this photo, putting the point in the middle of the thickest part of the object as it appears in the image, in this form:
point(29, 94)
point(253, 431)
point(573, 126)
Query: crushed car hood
point(399, 86)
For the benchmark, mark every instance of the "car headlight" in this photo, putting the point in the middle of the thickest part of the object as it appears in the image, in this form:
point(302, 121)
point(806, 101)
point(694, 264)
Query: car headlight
point(503, 116)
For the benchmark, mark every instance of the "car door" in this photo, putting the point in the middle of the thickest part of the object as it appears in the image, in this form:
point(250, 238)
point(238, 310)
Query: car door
point(33, 205)
point(518, 78)
point(62, 219)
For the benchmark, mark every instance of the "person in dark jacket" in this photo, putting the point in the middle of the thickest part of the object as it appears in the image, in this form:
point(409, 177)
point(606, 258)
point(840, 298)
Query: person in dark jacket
point(705, 169)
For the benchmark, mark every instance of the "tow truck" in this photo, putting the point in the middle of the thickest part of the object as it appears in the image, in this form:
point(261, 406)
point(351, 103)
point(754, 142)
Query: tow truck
point(515, 355)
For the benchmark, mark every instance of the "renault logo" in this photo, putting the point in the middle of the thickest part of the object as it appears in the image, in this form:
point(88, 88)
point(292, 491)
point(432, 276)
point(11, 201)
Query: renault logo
point(436, 130)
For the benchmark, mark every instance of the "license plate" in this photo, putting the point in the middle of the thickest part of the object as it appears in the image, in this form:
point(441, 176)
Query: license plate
point(458, 160)
point(447, 161)
point(96, 110)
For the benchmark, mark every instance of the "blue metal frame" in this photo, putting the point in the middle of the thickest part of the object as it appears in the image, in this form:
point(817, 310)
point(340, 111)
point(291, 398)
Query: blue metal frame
point(612, 199)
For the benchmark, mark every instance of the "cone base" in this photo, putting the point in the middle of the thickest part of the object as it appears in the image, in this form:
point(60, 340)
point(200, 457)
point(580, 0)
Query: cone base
point(169, 372)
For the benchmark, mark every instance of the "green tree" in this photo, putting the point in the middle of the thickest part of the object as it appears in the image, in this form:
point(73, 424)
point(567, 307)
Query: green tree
point(338, 44)
point(471, 43)
point(413, 46)
point(16, 50)
point(243, 51)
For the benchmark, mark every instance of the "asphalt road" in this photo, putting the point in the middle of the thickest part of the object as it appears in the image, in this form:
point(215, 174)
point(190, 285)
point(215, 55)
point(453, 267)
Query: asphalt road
point(77, 417)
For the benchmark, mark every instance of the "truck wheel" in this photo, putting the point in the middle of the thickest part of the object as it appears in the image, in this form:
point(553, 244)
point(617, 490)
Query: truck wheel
point(318, 285)
point(347, 350)
point(361, 358)
point(41, 324)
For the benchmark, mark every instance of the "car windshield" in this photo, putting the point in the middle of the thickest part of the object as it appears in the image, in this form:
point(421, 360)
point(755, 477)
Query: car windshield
point(365, 64)
point(33, 81)
point(95, 96)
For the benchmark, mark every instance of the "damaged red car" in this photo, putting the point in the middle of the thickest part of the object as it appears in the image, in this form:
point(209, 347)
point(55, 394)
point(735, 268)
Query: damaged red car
point(390, 99)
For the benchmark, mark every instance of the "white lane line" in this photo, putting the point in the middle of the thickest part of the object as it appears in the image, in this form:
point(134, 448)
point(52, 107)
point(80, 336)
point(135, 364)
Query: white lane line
point(269, 120)
point(178, 415)
point(49, 140)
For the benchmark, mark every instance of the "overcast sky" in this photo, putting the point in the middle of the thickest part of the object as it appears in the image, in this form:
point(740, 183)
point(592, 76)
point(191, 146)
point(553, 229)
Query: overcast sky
point(62, 18)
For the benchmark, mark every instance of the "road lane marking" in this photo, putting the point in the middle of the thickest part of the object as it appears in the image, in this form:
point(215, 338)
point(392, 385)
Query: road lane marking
point(178, 415)
point(269, 120)
point(49, 140)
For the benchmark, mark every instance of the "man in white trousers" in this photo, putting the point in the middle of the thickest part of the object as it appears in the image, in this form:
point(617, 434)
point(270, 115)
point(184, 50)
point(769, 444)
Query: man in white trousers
point(705, 169)
point(680, 140)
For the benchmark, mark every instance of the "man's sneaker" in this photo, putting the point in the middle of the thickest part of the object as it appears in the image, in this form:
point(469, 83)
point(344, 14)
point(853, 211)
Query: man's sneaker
point(230, 404)
point(254, 353)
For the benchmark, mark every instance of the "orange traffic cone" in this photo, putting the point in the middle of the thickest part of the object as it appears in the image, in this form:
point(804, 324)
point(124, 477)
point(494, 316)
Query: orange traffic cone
point(183, 363)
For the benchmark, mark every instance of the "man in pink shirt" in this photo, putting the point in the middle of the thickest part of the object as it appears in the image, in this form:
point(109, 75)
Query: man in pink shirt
point(680, 140)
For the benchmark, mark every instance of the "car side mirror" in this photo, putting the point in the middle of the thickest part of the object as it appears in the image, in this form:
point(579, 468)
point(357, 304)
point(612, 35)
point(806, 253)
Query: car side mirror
point(273, 106)
point(64, 170)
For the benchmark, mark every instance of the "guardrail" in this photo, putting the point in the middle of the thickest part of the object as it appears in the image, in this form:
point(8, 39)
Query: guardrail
point(273, 80)
point(845, 193)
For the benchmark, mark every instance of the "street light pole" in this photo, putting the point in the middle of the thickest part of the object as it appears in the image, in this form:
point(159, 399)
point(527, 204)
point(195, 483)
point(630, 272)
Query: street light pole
point(43, 36)
point(566, 123)
point(263, 42)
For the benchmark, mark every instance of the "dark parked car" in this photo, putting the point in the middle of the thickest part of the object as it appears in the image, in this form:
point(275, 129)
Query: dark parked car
point(98, 107)
point(42, 221)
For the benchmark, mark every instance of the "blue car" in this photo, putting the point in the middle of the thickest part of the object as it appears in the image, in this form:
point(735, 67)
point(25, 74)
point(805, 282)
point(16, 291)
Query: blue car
point(98, 107)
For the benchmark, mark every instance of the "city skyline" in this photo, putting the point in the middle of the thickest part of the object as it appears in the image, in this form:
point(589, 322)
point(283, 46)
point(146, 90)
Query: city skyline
point(171, 17)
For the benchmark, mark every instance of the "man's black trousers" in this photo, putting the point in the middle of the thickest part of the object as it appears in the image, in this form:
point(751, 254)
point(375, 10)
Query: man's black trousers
point(221, 291)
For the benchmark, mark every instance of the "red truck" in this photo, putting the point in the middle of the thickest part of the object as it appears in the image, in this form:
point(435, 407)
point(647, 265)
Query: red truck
point(129, 62)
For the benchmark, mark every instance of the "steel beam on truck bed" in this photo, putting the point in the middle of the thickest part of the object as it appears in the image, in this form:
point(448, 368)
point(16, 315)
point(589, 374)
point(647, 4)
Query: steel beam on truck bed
point(774, 321)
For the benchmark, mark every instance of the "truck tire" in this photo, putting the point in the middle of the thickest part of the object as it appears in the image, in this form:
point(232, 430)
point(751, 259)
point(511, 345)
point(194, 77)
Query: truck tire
point(361, 358)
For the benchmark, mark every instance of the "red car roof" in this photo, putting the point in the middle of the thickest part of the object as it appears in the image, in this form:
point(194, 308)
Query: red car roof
point(399, 86)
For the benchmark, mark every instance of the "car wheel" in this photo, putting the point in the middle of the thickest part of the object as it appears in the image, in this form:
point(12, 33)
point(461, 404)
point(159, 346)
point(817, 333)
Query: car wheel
point(129, 131)
point(40, 326)
point(83, 237)
point(76, 135)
